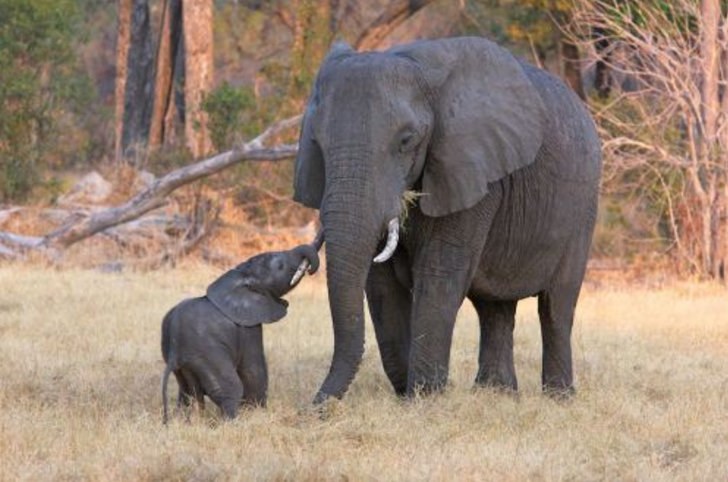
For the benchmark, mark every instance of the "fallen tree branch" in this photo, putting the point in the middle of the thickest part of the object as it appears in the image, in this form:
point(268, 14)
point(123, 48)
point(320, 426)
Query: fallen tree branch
point(155, 196)
point(20, 240)
point(203, 222)
point(7, 252)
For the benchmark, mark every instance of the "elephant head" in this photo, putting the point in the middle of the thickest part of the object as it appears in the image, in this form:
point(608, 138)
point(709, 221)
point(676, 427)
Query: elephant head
point(250, 293)
point(442, 117)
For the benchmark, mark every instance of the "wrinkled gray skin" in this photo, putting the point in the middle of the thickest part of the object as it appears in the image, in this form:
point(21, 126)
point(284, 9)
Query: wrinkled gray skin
point(509, 163)
point(214, 344)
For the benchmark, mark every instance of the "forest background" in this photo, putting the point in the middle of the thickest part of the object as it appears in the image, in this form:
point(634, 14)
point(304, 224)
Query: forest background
point(99, 100)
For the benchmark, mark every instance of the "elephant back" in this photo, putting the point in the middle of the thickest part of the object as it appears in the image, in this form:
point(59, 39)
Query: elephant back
point(571, 148)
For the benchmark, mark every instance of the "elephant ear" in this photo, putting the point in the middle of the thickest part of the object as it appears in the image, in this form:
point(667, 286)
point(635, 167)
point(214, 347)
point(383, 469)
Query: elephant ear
point(234, 297)
point(310, 174)
point(489, 119)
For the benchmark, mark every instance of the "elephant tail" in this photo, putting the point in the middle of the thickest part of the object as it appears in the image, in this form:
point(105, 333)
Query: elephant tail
point(169, 359)
point(165, 399)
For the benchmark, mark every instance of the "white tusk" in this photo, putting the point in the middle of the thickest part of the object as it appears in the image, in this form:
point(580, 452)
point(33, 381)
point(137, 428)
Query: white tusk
point(302, 268)
point(392, 239)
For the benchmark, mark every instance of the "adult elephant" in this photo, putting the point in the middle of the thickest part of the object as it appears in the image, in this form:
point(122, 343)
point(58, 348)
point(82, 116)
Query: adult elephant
point(507, 162)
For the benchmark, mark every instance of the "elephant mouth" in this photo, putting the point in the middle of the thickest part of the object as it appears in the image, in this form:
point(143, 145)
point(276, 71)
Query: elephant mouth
point(408, 201)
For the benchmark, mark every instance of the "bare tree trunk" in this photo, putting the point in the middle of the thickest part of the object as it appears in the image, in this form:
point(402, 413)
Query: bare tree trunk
point(572, 66)
point(197, 26)
point(393, 16)
point(165, 65)
point(122, 52)
point(175, 115)
point(602, 74)
point(723, 143)
point(710, 53)
point(139, 90)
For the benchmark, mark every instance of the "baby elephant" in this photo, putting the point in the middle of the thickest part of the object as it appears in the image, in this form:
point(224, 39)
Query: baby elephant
point(214, 344)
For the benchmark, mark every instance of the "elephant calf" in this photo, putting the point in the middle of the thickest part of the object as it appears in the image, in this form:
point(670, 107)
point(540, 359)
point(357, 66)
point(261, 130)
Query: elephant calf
point(214, 344)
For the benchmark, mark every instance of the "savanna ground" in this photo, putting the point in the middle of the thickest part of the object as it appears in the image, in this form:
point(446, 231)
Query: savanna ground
point(80, 367)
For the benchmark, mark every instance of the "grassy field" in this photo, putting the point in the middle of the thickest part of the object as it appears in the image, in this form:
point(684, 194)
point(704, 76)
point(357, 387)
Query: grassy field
point(80, 366)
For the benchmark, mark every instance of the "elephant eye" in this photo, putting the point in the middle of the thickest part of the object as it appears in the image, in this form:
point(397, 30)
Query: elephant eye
point(407, 141)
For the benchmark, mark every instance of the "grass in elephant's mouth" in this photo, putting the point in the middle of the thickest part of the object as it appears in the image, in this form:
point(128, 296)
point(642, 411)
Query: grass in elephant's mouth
point(409, 200)
point(80, 366)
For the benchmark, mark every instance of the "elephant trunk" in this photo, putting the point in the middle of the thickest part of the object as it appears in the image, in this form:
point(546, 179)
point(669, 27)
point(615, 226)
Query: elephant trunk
point(310, 254)
point(351, 240)
point(310, 262)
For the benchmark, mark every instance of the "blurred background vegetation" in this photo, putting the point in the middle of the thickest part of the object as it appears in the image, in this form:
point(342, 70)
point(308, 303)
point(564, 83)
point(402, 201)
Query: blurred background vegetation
point(60, 114)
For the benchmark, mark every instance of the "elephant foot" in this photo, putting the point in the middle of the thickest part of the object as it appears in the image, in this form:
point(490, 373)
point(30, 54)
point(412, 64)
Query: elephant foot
point(559, 392)
point(400, 387)
point(425, 387)
point(502, 381)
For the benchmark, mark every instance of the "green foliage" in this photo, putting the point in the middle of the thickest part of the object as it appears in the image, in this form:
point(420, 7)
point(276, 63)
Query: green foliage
point(522, 25)
point(230, 111)
point(310, 45)
point(37, 80)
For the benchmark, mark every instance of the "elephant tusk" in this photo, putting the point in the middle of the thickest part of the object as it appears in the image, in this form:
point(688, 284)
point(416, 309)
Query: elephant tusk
point(392, 239)
point(302, 268)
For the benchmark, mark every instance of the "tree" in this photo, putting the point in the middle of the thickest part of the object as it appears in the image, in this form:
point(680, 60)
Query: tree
point(666, 140)
point(199, 72)
point(169, 48)
point(312, 36)
point(123, 40)
point(530, 27)
point(146, 105)
point(37, 81)
point(138, 82)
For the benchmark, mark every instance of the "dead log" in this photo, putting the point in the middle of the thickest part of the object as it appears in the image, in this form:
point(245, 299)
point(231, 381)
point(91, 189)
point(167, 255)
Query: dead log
point(20, 240)
point(155, 196)
point(203, 222)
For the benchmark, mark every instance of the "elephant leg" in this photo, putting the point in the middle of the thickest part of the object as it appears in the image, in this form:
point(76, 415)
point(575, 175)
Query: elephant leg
point(556, 306)
point(444, 264)
point(445, 261)
point(221, 383)
point(184, 399)
point(389, 305)
point(183, 393)
point(495, 359)
point(433, 320)
point(556, 313)
point(253, 370)
point(190, 389)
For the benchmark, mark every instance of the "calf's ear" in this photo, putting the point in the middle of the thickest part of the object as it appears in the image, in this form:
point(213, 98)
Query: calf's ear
point(237, 300)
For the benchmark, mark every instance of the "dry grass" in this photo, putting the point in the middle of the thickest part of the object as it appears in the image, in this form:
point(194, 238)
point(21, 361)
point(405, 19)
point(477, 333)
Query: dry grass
point(79, 393)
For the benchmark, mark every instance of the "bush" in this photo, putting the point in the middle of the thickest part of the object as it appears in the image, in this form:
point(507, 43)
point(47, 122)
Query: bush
point(229, 112)
point(37, 79)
